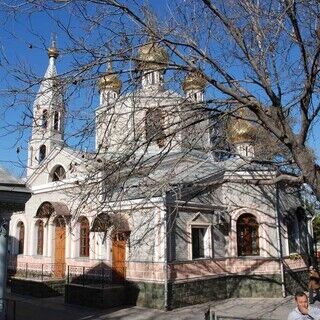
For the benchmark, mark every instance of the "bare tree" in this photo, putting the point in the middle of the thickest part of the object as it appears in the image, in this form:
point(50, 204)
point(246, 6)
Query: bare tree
point(263, 56)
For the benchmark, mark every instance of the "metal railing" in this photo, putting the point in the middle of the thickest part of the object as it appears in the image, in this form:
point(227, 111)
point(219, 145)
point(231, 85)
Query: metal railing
point(99, 275)
point(211, 315)
point(32, 270)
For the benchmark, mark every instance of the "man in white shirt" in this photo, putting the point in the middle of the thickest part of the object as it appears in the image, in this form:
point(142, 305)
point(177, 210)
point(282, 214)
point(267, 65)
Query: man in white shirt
point(303, 311)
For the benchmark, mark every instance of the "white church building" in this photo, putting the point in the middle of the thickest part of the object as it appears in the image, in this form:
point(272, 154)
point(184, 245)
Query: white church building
point(151, 212)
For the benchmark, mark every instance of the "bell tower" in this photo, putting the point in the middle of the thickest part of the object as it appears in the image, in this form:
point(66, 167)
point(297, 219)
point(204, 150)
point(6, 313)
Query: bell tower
point(48, 114)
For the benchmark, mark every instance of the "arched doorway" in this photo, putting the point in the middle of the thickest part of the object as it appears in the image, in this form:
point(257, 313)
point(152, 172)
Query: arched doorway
point(118, 224)
point(60, 247)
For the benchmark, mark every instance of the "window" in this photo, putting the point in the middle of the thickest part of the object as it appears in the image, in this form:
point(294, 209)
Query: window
point(84, 237)
point(44, 121)
point(198, 235)
point(154, 126)
point(56, 121)
point(21, 238)
point(40, 238)
point(297, 231)
point(293, 235)
point(201, 242)
point(42, 153)
point(248, 235)
point(58, 174)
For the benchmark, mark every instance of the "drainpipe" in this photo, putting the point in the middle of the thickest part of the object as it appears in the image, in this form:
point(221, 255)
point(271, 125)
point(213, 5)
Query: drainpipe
point(311, 240)
point(279, 242)
point(165, 225)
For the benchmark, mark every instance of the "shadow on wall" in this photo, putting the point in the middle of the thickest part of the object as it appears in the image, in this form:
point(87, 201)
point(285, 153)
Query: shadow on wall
point(99, 286)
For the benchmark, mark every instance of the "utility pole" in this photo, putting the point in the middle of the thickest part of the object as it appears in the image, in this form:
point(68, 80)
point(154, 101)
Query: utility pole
point(4, 234)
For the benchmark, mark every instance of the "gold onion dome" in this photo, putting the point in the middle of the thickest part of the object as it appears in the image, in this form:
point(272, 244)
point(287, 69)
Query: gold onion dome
point(152, 56)
point(110, 80)
point(194, 81)
point(53, 52)
point(241, 130)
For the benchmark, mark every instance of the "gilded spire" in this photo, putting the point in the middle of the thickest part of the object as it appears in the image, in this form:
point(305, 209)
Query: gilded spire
point(53, 51)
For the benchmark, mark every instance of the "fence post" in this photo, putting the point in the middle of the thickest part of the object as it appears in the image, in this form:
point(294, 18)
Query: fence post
point(41, 271)
point(209, 314)
point(83, 271)
point(213, 315)
point(26, 269)
point(68, 270)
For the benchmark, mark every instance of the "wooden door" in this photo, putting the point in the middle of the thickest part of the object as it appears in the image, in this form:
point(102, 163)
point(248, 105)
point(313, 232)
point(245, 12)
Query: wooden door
point(60, 246)
point(118, 258)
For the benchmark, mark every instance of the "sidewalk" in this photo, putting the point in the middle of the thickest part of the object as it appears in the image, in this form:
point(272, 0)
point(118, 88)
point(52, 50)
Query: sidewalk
point(28, 308)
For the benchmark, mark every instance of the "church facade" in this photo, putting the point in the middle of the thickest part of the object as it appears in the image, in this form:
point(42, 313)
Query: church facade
point(151, 208)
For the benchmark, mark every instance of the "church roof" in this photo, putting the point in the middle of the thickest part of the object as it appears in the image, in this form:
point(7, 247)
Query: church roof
point(157, 175)
point(183, 170)
point(6, 178)
point(238, 164)
point(12, 190)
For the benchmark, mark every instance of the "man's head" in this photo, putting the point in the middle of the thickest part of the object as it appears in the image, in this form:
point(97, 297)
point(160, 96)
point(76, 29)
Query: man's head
point(301, 300)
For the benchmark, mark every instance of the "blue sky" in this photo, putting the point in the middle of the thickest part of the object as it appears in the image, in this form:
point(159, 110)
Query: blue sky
point(23, 43)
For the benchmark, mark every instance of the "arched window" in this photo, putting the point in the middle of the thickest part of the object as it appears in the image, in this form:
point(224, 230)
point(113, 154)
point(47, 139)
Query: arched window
point(84, 237)
point(44, 120)
point(154, 126)
point(21, 237)
point(58, 174)
point(42, 153)
point(40, 238)
point(248, 235)
point(56, 121)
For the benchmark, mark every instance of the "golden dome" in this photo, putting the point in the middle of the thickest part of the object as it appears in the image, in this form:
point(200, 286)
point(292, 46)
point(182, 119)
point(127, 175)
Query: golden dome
point(53, 52)
point(194, 81)
point(240, 130)
point(152, 56)
point(110, 80)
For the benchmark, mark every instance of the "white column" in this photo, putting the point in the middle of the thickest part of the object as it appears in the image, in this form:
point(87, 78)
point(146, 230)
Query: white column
point(50, 239)
point(108, 247)
point(73, 242)
point(68, 242)
point(45, 239)
point(92, 247)
point(30, 250)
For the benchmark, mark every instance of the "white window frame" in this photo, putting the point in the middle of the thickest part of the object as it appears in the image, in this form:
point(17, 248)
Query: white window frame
point(208, 245)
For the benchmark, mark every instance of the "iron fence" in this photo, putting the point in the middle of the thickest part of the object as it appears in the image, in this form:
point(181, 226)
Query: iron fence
point(211, 315)
point(99, 275)
point(33, 270)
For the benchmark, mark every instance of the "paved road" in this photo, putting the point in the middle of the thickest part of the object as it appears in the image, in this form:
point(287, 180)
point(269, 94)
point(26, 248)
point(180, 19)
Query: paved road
point(28, 308)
